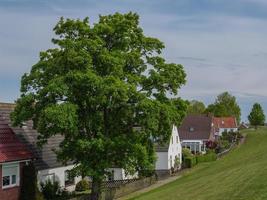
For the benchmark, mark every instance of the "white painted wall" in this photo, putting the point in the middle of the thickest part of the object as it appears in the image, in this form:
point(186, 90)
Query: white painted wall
point(165, 160)
point(120, 174)
point(175, 148)
point(58, 174)
point(162, 161)
point(221, 130)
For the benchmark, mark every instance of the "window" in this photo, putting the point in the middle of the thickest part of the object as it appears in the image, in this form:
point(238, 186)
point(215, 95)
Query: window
point(69, 179)
point(111, 176)
point(172, 140)
point(10, 175)
point(191, 129)
point(177, 139)
point(50, 177)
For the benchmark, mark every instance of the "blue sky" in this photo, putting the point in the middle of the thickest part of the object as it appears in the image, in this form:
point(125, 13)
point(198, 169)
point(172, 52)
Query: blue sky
point(221, 43)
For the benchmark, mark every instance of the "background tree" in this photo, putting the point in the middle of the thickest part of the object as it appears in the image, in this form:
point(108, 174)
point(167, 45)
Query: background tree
point(225, 106)
point(256, 116)
point(196, 107)
point(99, 83)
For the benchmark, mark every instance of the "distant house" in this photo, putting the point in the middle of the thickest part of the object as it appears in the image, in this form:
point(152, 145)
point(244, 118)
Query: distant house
point(46, 162)
point(169, 154)
point(243, 125)
point(224, 124)
point(195, 131)
point(13, 156)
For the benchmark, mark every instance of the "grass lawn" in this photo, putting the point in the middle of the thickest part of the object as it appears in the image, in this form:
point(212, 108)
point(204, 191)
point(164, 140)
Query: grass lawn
point(240, 175)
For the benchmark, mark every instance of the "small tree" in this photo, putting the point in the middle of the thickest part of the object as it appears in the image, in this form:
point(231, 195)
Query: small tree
point(225, 105)
point(196, 107)
point(256, 116)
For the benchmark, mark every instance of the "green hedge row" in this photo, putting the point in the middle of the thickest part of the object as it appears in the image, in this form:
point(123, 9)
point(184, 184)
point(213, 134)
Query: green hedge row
point(206, 157)
point(190, 162)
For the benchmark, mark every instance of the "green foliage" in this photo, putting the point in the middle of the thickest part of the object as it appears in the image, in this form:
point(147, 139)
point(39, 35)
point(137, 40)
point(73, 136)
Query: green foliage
point(208, 157)
point(256, 116)
point(100, 82)
point(224, 178)
point(82, 185)
point(177, 162)
point(186, 153)
point(50, 190)
point(29, 187)
point(196, 107)
point(225, 106)
point(190, 162)
point(39, 196)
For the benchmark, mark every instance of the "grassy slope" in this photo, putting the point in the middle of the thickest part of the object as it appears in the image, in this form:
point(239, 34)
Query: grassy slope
point(241, 175)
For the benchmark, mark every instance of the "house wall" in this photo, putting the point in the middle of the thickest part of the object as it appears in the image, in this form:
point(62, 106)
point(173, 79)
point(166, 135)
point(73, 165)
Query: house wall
point(175, 148)
point(200, 142)
point(166, 160)
point(221, 130)
point(59, 175)
point(162, 161)
point(10, 193)
point(120, 174)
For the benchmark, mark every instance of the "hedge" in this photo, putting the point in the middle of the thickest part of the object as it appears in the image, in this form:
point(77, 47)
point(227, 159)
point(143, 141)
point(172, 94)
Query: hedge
point(211, 156)
point(190, 162)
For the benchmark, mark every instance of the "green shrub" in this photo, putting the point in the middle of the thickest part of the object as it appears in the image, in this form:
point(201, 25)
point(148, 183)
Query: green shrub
point(39, 196)
point(83, 185)
point(190, 162)
point(51, 190)
point(208, 157)
point(186, 153)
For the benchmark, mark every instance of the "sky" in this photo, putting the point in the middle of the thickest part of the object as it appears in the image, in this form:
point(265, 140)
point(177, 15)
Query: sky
point(222, 44)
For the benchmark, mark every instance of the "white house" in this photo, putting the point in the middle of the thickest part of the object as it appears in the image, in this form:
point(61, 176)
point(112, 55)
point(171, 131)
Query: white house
point(169, 156)
point(224, 124)
point(195, 131)
point(45, 161)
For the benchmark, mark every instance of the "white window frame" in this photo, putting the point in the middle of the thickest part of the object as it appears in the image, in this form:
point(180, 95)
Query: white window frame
point(47, 177)
point(11, 165)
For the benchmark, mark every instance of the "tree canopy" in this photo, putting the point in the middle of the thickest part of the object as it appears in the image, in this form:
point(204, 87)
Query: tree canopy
point(95, 87)
point(256, 116)
point(225, 105)
point(196, 107)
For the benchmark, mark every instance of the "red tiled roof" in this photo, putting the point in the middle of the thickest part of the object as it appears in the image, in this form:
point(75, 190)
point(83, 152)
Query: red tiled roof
point(11, 149)
point(224, 122)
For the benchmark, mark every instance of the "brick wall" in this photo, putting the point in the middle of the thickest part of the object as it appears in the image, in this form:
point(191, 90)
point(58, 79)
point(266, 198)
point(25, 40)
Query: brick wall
point(9, 193)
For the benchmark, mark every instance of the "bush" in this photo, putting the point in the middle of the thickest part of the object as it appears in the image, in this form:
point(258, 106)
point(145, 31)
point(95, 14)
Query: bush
point(208, 157)
point(190, 162)
point(51, 190)
point(83, 185)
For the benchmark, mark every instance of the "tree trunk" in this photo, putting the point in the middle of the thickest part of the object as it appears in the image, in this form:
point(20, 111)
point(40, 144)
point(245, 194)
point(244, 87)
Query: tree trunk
point(96, 189)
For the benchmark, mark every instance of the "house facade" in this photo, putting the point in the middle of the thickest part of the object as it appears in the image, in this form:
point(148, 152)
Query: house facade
point(13, 156)
point(169, 156)
point(224, 124)
point(117, 173)
point(45, 160)
point(195, 131)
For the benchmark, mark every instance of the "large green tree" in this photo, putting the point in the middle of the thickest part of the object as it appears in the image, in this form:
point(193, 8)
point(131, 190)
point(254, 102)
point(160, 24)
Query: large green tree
point(225, 105)
point(196, 107)
point(95, 87)
point(256, 116)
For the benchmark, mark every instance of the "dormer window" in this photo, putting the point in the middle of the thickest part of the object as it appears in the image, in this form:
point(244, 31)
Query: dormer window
point(191, 129)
